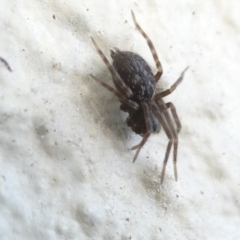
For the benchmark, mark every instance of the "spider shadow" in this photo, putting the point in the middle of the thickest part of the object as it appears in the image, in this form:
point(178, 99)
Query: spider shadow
point(161, 194)
point(107, 107)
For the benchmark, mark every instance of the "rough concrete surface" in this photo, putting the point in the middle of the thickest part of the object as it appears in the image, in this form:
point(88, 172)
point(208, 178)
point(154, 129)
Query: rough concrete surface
point(66, 168)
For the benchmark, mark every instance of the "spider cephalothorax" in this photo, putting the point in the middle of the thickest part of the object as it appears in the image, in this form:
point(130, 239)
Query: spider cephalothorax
point(135, 87)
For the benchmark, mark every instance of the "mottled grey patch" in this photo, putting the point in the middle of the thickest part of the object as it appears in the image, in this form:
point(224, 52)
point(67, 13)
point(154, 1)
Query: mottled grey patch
point(53, 147)
point(89, 222)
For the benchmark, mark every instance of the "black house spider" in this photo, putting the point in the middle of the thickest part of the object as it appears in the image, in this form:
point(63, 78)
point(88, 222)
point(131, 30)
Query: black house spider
point(135, 87)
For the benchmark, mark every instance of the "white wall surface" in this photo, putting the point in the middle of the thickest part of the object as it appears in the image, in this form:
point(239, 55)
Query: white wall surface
point(66, 168)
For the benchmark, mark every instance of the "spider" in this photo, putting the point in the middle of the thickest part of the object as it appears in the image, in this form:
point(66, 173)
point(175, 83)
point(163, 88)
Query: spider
point(135, 88)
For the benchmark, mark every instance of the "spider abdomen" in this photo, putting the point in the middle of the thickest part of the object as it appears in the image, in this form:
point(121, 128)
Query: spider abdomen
point(136, 121)
point(135, 73)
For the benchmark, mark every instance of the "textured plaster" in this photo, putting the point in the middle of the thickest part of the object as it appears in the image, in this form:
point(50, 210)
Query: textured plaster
point(66, 168)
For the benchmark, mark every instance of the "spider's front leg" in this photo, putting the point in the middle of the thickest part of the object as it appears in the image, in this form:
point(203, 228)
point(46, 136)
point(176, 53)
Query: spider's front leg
point(167, 129)
point(172, 88)
point(148, 123)
point(173, 137)
point(175, 116)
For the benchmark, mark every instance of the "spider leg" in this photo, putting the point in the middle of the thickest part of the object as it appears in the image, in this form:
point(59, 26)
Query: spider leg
point(148, 123)
point(129, 102)
point(162, 105)
point(116, 78)
point(153, 51)
point(158, 113)
point(175, 116)
point(173, 87)
point(6, 64)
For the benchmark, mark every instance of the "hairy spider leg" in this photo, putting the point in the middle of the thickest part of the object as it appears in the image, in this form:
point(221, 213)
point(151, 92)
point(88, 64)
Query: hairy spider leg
point(163, 107)
point(163, 121)
point(174, 139)
point(173, 87)
point(129, 102)
point(175, 116)
point(149, 127)
point(125, 90)
point(152, 49)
